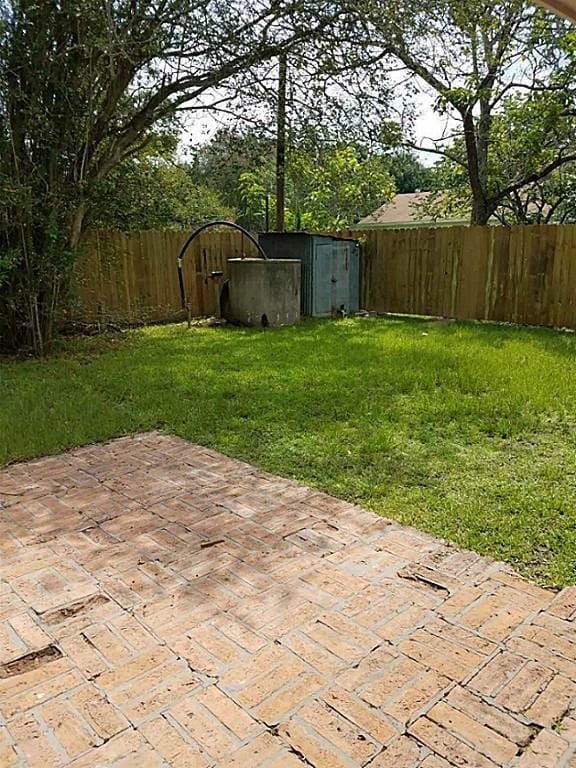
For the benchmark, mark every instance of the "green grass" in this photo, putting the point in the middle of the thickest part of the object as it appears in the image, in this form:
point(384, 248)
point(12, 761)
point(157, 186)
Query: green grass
point(467, 431)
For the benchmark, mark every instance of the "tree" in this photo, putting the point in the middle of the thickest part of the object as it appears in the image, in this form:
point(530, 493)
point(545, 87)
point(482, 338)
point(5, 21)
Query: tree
point(475, 56)
point(410, 174)
point(327, 187)
point(528, 134)
point(155, 191)
point(83, 84)
point(221, 162)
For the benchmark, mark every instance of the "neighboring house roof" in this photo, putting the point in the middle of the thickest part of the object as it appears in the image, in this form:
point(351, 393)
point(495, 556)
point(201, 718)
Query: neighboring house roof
point(405, 211)
point(562, 7)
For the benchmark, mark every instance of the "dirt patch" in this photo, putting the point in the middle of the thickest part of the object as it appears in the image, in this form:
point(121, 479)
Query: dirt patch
point(30, 661)
point(60, 614)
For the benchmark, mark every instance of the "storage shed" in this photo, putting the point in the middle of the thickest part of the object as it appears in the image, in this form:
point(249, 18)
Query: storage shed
point(330, 269)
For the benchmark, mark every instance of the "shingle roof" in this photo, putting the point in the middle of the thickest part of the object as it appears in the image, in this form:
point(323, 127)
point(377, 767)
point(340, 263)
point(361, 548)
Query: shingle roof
point(563, 7)
point(405, 209)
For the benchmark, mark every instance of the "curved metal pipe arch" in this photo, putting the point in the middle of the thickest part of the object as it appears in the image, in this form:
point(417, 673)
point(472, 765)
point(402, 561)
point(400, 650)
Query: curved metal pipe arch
point(194, 235)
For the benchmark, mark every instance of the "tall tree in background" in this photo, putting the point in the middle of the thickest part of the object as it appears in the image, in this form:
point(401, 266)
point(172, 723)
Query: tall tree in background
point(475, 55)
point(83, 84)
point(220, 163)
point(327, 187)
point(410, 174)
point(527, 134)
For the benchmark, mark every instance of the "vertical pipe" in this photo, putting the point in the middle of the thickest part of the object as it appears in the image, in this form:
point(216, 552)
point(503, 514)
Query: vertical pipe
point(281, 143)
point(267, 214)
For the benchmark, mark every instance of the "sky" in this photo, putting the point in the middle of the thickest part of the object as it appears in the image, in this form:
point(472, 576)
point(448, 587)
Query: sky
point(200, 126)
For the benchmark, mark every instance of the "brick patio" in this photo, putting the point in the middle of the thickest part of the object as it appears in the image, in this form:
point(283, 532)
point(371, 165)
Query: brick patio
point(163, 605)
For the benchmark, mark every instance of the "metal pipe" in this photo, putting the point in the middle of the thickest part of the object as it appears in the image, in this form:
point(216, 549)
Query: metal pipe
point(195, 234)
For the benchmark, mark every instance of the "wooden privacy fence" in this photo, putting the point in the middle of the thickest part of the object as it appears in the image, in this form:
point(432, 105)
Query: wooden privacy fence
point(524, 274)
point(131, 278)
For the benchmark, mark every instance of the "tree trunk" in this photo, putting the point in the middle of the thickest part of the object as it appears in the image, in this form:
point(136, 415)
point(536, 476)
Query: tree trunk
point(481, 212)
point(476, 173)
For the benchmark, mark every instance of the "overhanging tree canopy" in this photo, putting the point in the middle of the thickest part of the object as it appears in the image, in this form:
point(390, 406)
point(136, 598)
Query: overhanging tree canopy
point(83, 83)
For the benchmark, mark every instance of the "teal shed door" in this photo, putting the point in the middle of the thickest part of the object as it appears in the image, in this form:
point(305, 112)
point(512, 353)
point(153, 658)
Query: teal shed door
point(340, 277)
point(322, 279)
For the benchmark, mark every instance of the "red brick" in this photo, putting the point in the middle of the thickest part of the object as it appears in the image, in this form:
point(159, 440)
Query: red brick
point(433, 761)
point(560, 644)
point(171, 746)
point(293, 619)
point(519, 693)
point(239, 633)
point(285, 760)
point(228, 712)
point(463, 598)
point(219, 646)
point(278, 706)
point(334, 642)
point(335, 581)
point(348, 649)
point(109, 644)
point(10, 604)
point(30, 634)
point(262, 662)
point(102, 717)
point(401, 753)
point(34, 743)
point(448, 746)
point(369, 668)
point(335, 729)
point(262, 687)
point(553, 702)
point(350, 631)
point(496, 673)
point(461, 636)
point(489, 715)
point(67, 728)
point(323, 660)
point(484, 740)
point(444, 656)
point(204, 729)
point(564, 605)
point(125, 746)
point(88, 660)
point(315, 750)
point(254, 754)
point(390, 681)
point(416, 697)
point(402, 623)
point(133, 633)
point(8, 757)
point(545, 751)
point(135, 668)
point(198, 659)
point(538, 596)
point(154, 692)
point(358, 713)
point(44, 691)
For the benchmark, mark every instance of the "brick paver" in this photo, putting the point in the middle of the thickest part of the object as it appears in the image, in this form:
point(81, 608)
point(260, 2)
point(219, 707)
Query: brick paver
point(163, 605)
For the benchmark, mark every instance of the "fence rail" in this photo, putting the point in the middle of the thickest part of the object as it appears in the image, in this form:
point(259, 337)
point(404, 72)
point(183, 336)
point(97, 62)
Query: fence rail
point(524, 274)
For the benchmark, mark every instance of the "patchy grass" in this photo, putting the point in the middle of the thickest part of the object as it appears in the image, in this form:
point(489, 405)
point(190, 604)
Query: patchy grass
point(467, 431)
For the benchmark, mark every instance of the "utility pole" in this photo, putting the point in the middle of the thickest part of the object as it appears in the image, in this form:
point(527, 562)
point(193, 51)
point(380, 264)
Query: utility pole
point(281, 142)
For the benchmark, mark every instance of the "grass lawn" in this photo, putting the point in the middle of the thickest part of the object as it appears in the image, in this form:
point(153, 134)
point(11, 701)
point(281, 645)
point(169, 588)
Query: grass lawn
point(467, 431)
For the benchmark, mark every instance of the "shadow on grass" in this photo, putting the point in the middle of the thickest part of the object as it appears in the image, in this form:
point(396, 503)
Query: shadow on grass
point(465, 430)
